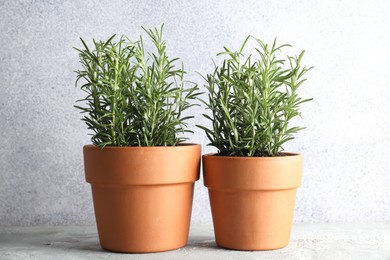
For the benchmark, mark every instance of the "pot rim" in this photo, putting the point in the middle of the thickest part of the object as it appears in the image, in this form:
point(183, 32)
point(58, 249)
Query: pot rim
point(237, 173)
point(138, 165)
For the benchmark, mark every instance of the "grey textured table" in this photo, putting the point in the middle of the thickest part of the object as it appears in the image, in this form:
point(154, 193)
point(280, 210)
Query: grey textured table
point(308, 241)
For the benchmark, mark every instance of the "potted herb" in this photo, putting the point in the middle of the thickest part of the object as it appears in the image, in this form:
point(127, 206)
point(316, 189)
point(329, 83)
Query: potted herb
point(141, 173)
point(251, 182)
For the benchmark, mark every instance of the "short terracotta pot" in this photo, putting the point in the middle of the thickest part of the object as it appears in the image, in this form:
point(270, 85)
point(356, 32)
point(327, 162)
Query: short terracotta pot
point(252, 199)
point(142, 195)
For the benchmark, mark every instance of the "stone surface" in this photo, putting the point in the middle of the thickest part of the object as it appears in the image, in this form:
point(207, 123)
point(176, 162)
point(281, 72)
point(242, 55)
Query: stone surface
point(346, 143)
point(308, 241)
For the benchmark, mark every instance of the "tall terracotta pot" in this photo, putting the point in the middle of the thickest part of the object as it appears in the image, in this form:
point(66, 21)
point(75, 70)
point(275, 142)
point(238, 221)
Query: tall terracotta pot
point(142, 195)
point(252, 199)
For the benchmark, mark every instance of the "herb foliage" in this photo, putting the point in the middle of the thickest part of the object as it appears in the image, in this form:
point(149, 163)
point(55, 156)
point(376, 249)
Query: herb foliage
point(133, 97)
point(252, 101)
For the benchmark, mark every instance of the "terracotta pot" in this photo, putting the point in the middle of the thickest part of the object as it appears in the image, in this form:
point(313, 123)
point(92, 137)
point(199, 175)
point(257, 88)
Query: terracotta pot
point(142, 195)
point(252, 199)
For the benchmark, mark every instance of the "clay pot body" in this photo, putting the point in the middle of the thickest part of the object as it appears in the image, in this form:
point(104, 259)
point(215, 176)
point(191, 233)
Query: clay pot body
point(252, 199)
point(142, 195)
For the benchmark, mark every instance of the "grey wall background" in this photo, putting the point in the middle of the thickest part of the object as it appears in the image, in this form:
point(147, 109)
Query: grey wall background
point(346, 144)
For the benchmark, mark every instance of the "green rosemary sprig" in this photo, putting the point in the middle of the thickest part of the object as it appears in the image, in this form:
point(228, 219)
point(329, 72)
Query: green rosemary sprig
point(252, 102)
point(133, 98)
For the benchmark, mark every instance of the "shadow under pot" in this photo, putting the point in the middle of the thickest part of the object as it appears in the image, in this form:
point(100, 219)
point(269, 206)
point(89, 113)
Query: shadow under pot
point(142, 195)
point(252, 199)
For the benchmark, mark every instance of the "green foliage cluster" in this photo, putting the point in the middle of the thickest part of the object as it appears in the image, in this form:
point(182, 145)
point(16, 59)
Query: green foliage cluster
point(252, 102)
point(133, 98)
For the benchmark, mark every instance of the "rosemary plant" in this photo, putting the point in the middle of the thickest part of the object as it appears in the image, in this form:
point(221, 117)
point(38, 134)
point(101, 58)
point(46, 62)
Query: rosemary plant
point(133, 98)
point(252, 102)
